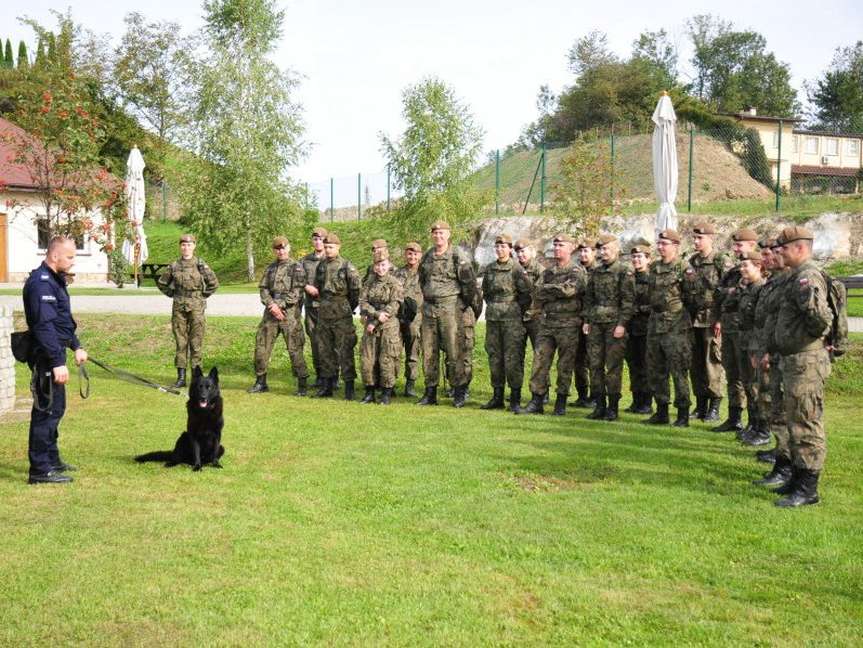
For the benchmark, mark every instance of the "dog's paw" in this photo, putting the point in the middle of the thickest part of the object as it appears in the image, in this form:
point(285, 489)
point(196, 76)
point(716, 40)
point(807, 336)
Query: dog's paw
point(216, 464)
point(196, 468)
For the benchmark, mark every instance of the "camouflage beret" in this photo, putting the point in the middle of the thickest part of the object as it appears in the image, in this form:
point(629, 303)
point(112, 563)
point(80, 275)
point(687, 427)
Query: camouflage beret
point(640, 245)
point(563, 238)
point(380, 255)
point(439, 225)
point(605, 239)
point(753, 256)
point(379, 243)
point(775, 242)
point(670, 235)
point(704, 228)
point(587, 243)
point(744, 234)
point(503, 238)
point(795, 233)
point(280, 241)
point(521, 244)
point(319, 231)
point(413, 245)
point(188, 238)
point(332, 238)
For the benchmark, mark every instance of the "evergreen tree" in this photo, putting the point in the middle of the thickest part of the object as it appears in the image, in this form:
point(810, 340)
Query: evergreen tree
point(40, 53)
point(23, 61)
point(8, 59)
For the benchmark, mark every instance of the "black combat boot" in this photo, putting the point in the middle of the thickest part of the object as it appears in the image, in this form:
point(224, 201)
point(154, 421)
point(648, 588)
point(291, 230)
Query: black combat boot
point(700, 410)
point(760, 435)
point(636, 400)
point(791, 484)
point(767, 456)
point(496, 401)
point(779, 476)
point(682, 419)
point(751, 422)
point(459, 396)
point(349, 390)
point(560, 405)
point(386, 395)
point(733, 422)
point(429, 397)
point(515, 401)
point(805, 490)
point(582, 400)
point(409, 388)
point(712, 413)
point(545, 398)
point(644, 403)
point(611, 410)
point(661, 416)
point(369, 396)
point(534, 406)
point(326, 388)
point(181, 378)
point(599, 409)
point(259, 386)
point(302, 386)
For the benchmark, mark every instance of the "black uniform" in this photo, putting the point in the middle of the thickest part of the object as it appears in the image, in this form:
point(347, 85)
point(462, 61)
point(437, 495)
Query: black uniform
point(49, 317)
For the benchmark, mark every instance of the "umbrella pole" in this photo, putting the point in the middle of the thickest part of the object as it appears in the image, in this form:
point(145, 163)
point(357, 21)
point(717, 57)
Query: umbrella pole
point(137, 262)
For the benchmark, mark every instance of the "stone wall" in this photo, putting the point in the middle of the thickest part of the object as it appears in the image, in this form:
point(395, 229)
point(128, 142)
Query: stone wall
point(7, 361)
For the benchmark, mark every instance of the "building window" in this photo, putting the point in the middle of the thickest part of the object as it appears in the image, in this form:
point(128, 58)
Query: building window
point(775, 139)
point(852, 147)
point(44, 235)
point(831, 146)
point(812, 145)
point(796, 142)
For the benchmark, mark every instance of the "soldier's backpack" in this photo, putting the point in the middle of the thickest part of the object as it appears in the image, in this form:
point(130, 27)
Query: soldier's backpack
point(837, 298)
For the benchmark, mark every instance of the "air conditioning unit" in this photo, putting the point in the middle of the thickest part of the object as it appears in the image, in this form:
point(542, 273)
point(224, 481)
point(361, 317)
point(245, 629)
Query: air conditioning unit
point(825, 160)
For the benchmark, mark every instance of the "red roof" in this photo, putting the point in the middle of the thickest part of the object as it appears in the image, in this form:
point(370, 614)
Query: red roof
point(845, 172)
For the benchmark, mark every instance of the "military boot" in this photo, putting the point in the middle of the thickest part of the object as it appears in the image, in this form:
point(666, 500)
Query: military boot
point(805, 491)
point(791, 484)
point(534, 406)
point(661, 416)
point(459, 396)
point(599, 409)
point(682, 419)
point(611, 410)
point(582, 400)
point(386, 395)
point(700, 410)
point(767, 456)
point(644, 403)
point(259, 386)
point(515, 401)
point(349, 390)
point(545, 398)
point(496, 401)
point(733, 422)
point(181, 378)
point(302, 386)
point(751, 422)
point(429, 397)
point(369, 395)
point(409, 388)
point(712, 413)
point(326, 388)
point(636, 400)
point(560, 405)
point(760, 436)
point(779, 476)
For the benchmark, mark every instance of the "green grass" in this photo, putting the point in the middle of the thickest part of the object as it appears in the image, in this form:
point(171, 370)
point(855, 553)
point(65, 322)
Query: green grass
point(346, 524)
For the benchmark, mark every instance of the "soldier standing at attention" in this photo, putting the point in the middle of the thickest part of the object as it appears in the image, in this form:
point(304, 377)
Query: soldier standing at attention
point(377, 245)
point(726, 312)
point(751, 270)
point(310, 304)
point(559, 293)
point(282, 287)
point(636, 342)
point(448, 284)
point(506, 290)
point(526, 255)
point(803, 321)
point(380, 349)
point(409, 277)
point(189, 281)
point(337, 290)
point(668, 333)
point(608, 307)
point(586, 250)
point(706, 268)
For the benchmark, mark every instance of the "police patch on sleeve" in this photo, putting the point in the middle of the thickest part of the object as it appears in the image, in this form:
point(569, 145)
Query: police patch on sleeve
point(49, 298)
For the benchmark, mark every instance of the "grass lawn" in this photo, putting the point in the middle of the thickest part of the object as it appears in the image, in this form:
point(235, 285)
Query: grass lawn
point(342, 523)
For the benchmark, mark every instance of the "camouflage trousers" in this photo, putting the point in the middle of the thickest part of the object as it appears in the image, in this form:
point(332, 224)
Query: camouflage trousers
point(564, 340)
point(668, 356)
point(732, 354)
point(531, 330)
point(311, 322)
point(440, 332)
point(412, 342)
point(188, 325)
point(706, 371)
point(504, 344)
point(636, 361)
point(747, 372)
point(606, 354)
point(336, 342)
point(380, 353)
point(803, 378)
point(582, 366)
point(771, 403)
point(291, 330)
point(467, 343)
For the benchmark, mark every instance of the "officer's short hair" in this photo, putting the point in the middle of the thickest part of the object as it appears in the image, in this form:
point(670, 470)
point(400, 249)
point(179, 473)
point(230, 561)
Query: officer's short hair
point(58, 241)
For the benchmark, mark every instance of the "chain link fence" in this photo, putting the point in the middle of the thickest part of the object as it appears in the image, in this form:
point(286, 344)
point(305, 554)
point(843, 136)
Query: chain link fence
point(346, 198)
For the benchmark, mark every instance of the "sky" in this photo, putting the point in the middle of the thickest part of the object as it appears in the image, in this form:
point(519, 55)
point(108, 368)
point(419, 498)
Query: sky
point(356, 58)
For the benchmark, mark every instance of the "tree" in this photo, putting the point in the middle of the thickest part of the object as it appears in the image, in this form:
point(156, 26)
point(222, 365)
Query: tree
point(246, 132)
point(589, 52)
point(837, 97)
point(23, 61)
point(656, 50)
point(8, 59)
point(584, 193)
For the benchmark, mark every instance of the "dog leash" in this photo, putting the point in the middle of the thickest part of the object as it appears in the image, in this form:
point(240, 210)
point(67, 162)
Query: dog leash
point(48, 389)
point(126, 376)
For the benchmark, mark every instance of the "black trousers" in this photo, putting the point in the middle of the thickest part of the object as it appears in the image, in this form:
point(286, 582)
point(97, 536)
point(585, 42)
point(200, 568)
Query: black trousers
point(43, 451)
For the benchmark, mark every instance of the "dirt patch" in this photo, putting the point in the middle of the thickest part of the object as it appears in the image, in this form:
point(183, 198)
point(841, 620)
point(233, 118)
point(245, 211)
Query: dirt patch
point(537, 483)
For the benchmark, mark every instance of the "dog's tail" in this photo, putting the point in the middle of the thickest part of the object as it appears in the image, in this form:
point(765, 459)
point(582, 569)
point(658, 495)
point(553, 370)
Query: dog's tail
point(159, 455)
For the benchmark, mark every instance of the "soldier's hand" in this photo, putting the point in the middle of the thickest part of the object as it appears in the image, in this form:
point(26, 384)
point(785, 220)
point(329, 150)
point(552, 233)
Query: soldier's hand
point(585, 328)
point(753, 361)
point(717, 329)
point(311, 290)
point(276, 312)
point(80, 356)
point(370, 328)
point(765, 362)
point(61, 375)
point(619, 332)
point(384, 318)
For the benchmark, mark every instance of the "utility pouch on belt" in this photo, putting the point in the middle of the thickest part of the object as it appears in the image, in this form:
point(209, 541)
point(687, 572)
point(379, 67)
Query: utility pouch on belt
point(22, 346)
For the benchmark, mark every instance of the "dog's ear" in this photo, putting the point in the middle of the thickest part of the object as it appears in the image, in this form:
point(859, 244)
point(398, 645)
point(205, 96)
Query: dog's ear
point(214, 374)
point(196, 372)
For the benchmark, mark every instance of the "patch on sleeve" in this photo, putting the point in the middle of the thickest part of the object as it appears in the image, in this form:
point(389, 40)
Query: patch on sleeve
point(729, 263)
point(804, 282)
point(49, 298)
point(45, 277)
point(690, 272)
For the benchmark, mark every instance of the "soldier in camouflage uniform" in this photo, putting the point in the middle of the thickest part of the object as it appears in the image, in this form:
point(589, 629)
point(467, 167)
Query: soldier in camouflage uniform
point(669, 331)
point(586, 250)
point(559, 293)
point(751, 271)
point(608, 307)
point(449, 288)
point(726, 312)
point(408, 274)
point(507, 293)
point(188, 281)
point(526, 255)
point(282, 287)
point(310, 303)
point(636, 341)
point(380, 299)
point(706, 267)
point(802, 324)
point(377, 246)
point(337, 289)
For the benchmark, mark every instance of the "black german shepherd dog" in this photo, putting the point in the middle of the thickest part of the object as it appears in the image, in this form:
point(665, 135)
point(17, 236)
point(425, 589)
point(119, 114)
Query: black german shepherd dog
point(201, 442)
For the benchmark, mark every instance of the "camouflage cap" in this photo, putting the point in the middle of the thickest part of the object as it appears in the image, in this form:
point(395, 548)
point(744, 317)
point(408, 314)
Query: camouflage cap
point(521, 244)
point(775, 241)
point(639, 245)
point(795, 233)
point(188, 238)
point(378, 244)
point(280, 241)
point(587, 243)
point(413, 245)
point(380, 255)
point(605, 239)
point(704, 228)
point(753, 256)
point(670, 235)
point(744, 234)
point(439, 225)
point(563, 237)
point(332, 238)
point(503, 238)
point(319, 231)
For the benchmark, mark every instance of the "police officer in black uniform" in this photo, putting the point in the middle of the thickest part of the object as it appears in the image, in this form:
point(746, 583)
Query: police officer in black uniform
point(49, 318)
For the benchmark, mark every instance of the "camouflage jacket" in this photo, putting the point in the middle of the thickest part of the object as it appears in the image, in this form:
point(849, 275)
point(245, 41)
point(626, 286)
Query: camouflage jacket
point(702, 279)
point(726, 300)
point(534, 271)
point(506, 290)
point(310, 265)
point(668, 308)
point(641, 304)
point(766, 310)
point(410, 280)
point(610, 294)
point(381, 295)
point(338, 285)
point(446, 276)
point(804, 316)
point(283, 283)
point(559, 293)
point(188, 282)
point(748, 303)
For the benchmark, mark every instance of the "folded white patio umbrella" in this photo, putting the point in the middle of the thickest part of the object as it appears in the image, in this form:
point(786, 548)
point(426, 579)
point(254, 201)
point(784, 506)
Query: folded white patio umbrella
point(665, 163)
point(135, 247)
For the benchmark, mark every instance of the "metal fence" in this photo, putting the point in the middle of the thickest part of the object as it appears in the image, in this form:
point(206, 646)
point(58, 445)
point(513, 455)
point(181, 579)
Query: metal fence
point(349, 197)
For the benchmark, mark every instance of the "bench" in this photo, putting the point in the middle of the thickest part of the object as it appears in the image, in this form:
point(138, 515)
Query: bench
point(149, 271)
point(851, 283)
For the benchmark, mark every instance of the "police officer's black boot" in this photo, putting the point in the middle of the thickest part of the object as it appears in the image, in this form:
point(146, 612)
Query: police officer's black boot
point(409, 388)
point(515, 401)
point(370, 395)
point(349, 390)
point(713, 410)
point(386, 395)
point(181, 377)
point(805, 490)
point(302, 386)
point(459, 396)
point(611, 410)
point(645, 406)
point(326, 388)
point(260, 385)
point(661, 416)
point(599, 409)
point(429, 397)
point(560, 405)
point(496, 401)
point(779, 476)
point(534, 406)
point(733, 422)
point(682, 419)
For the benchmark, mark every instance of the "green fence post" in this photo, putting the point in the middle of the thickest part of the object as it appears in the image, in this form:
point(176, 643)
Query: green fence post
point(497, 182)
point(164, 200)
point(359, 197)
point(611, 184)
point(779, 168)
point(388, 187)
point(691, 147)
point(542, 180)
